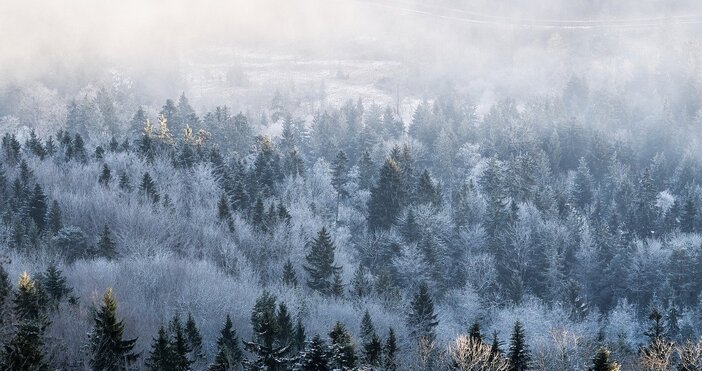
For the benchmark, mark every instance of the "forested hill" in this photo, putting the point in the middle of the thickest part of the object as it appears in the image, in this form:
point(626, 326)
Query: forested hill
point(554, 234)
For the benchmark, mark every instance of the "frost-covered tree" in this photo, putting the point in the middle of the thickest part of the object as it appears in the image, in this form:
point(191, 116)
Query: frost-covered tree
point(108, 349)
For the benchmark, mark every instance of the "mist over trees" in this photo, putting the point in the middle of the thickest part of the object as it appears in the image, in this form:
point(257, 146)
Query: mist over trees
point(352, 185)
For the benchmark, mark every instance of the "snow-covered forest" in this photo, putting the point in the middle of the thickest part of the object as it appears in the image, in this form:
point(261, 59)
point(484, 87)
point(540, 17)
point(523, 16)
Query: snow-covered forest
point(361, 214)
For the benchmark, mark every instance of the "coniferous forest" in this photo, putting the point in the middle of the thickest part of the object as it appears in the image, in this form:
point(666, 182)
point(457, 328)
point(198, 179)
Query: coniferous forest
point(556, 231)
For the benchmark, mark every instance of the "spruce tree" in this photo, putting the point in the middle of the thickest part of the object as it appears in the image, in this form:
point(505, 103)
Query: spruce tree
point(38, 206)
point(390, 351)
point(228, 356)
point(5, 289)
point(343, 353)
point(361, 286)
point(106, 245)
point(320, 263)
point(337, 289)
point(124, 183)
point(161, 354)
point(299, 336)
point(223, 213)
point(54, 220)
point(316, 358)
point(286, 332)
point(108, 349)
point(422, 319)
point(28, 301)
point(474, 332)
point(366, 171)
point(148, 188)
point(289, 275)
point(105, 175)
point(367, 328)
point(24, 350)
point(386, 198)
point(518, 356)
point(269, 355)
point(192, 334)
point(656, 331)
point(55, 286)
point(340, 178)
point(179, 346)
point(602, 361)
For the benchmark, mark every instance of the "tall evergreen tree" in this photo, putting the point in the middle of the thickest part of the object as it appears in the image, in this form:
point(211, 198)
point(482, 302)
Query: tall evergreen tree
point(387, 197)
point(316, 358)
point(106, 245)
point(192, 335)
point(390, 351)
point(340, 178)
point(148, 188)
point(179, 346)
point(602, 361)
point(161, 355)
point(361, 285)
point(289, 275)
point(55, 286)
point(269, 355)
point(299, 336)
point(518, 356)
point(228, 356)
point(53, 219)
point(38, 206)
point(320, 263)
point(343, 353)
point(105, 175)
point(422, 319)
point(474, 332)
point(109, 351)
point(286, 332)
point(24, 350)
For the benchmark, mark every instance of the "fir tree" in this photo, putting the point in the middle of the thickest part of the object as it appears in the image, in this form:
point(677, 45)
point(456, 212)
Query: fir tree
point(5, 289)
point(38, 206)
point(602, 361)
point(106, 245)
point(320, 263)
point(105, 175)
point(299, 336)
point(657, 330)
point(124, 183)
point(343, 353)
point(192, 334)
point(228, 356)
point(223, 213)
point(361, 286)
point(289, 275)
point(366, 171)
point(422, 319)
point(265, 332)
point(474, 332)
point(386, 198)
point(316, 358)
point(54, 283)
point(109, 351)
point(286, 332)
point(53, 219)
point(367, 328)
point(390, 351)
point(495, 349)
point(337, 288)
point(340, 178)
point(148, 188)
point(24, 350)
point(519, 358)
point(179, 346)
point(161, 354)
point(28, 300)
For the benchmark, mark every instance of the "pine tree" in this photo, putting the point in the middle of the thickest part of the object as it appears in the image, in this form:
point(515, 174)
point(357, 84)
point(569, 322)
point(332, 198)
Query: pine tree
point(289, 275)
point(337, 288)
point(105, 175)
point(38, 207)
point(316, 358)
point(519, 358)
point(192, 334)
point(223, 213)
point(161, 354)
point(124, 183)
point(179, 346)
point(602, 361)
point(148, 188)
point(427, 192)
point(109, 351)
point(390, 351)
point(422, 319)
point(320, 263)
point(367, 328)
point(386, 198)
point(53, 219)
point(343, 354)
point(366, 171)
point(5, 289)
point(656, 331)
point(228, 356)
point(495, 350)
point(340, 178)
point(582, 185)
point(258, 218)
point(106, 245)
point(688, 216)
